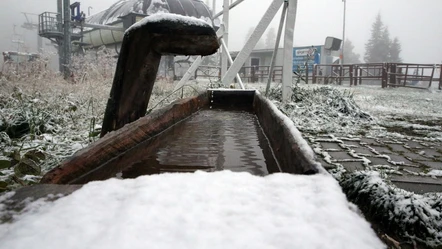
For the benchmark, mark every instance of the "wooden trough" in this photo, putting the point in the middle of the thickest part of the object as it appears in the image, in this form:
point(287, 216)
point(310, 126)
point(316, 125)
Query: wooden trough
point(120, 150)
point(129, 139)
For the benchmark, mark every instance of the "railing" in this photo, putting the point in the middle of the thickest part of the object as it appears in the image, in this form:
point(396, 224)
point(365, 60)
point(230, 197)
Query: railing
point(420, 76)
point(49, 23)
point(247, 74)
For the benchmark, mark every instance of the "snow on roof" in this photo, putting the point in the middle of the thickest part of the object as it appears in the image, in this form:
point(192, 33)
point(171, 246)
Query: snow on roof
point(199, 210)
point(195, 8)
point(158, 17)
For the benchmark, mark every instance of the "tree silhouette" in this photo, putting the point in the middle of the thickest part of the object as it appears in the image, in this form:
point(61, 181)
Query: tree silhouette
point(395, 51)
point(379, 47)
point(350, 56)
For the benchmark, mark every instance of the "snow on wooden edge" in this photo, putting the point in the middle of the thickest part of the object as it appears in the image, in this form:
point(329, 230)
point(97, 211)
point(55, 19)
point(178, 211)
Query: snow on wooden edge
point(297, 136)
point(159, 17)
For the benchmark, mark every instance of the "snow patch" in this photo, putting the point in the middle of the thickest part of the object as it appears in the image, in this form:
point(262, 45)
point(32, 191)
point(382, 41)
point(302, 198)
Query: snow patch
point(414, 216)
point(435, 172)
point(200, 210)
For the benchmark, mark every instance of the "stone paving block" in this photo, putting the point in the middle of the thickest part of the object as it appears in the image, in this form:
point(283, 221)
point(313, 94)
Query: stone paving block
point(432, 164)
point(330, 145)
point(340, 155)
point(397, 147)
point(351, 143)
point(431, 153)
point(379, 161)
point(414, 156)
point(411, 168)
point(370, 141)
point(418, 184)
point(418, 188)
point(414, 145)
point(400, 159)
point(363, 151)
point(380, 149)
point(353, 166)
point(325, 164)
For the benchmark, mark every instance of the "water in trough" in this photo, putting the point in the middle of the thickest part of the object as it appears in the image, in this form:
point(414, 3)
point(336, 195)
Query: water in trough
point(210, 140)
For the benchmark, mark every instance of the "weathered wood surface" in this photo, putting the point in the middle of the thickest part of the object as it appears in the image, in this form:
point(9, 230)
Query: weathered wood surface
point(287, 150)
point(102, 159)
point(138, 64)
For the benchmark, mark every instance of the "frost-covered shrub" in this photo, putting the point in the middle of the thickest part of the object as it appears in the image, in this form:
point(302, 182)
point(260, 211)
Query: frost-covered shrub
point(413, 216)
point(38, 68)
point(94, 65)
point(322, 109)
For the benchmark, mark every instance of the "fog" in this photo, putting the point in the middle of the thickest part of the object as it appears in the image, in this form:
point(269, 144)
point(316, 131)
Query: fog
point(417, 24)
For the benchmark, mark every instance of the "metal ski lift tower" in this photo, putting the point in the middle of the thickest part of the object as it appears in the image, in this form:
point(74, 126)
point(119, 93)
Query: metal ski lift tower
point(288, 20)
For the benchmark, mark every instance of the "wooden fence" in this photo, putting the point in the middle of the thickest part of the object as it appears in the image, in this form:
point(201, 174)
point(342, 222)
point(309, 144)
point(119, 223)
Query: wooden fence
point(420, 76)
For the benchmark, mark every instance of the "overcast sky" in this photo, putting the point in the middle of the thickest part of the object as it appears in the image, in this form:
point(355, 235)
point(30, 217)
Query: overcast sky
point(417, 23)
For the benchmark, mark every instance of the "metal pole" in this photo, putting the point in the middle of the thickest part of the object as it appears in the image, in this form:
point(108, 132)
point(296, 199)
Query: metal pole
point(67, 38)
point(252, 41)
point(213, 7)
point(287, 70)
point(39, 43)
point(343, 32)
point(233, 5)
point(275, 51)
point(60, 29)
point(224, 62)
point(231, 62)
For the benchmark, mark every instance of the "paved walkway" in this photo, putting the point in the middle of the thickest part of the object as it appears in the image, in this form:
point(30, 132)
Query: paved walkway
point(407, 162)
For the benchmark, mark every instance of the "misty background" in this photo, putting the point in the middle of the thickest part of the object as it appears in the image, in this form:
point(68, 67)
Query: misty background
point(417, 24)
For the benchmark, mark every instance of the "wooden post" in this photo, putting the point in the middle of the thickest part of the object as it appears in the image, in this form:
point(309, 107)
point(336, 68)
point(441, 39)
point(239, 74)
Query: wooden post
point(384, 76)
point(315, 68)
point(393, 74)
point(440, 78)
point(432, 75)
point(341, 69)
point(138, 63)
point(356, 75)
point(351, 74)
point(306, 74)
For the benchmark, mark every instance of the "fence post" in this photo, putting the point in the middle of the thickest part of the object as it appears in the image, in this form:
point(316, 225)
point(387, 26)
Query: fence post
point(440, 78)
point(406, 75)
point(306, 74)
point(384, 75)
point(315, 67)
point(341, 69)
point(432, 75)
point(252, 74)
point(356, 75)
point(351, 74)
point(393, 74)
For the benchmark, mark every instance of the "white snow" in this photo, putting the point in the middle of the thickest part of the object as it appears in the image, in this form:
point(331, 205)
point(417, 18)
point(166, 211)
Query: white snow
point(435, 172)
point(297, 136)
point(158, 17)
point(200, 210)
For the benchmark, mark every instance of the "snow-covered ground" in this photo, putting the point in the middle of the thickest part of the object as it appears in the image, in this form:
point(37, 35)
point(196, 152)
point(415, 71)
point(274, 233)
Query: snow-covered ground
point(199, 210)
point(67, 117)
point(60, 118)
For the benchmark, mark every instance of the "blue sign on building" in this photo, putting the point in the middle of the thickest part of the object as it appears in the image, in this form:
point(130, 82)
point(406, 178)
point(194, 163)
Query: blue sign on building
point(309, 54)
